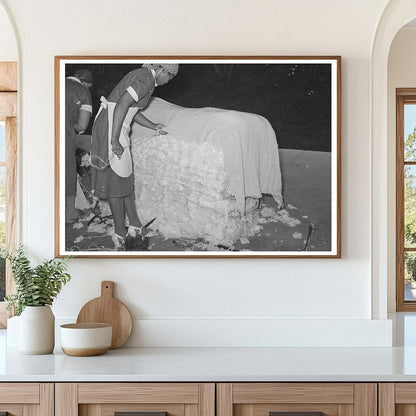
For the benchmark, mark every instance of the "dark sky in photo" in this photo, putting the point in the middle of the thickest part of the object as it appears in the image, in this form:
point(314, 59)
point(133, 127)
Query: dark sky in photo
point(295, 98)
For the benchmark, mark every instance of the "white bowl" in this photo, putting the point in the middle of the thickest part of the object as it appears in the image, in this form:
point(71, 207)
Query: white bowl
point(83, 340)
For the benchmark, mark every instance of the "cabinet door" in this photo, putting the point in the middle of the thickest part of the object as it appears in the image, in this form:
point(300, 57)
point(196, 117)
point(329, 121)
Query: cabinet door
point(26, 399)
point(297, 399)
point(142, 399)
point(397, 399)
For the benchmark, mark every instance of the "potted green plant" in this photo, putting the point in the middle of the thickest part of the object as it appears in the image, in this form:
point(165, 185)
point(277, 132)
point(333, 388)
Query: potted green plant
point(36, 289)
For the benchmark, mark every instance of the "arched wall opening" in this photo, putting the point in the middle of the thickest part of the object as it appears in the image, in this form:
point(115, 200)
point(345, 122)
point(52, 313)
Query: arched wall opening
point(8, 137)
point(396, 15)
point(401, 74)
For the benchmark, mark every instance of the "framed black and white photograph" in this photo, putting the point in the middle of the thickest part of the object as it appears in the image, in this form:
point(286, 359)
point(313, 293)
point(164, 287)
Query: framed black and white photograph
point(198, 156)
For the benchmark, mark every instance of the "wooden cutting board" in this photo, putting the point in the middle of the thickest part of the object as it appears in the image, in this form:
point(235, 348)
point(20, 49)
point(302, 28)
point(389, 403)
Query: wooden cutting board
point(108, 310)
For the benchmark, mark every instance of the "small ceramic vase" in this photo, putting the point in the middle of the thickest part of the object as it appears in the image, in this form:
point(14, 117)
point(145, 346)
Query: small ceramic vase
point(37, 330)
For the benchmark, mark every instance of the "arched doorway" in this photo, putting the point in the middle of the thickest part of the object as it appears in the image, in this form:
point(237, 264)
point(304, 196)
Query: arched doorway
point(8, 150)
point(395, 16)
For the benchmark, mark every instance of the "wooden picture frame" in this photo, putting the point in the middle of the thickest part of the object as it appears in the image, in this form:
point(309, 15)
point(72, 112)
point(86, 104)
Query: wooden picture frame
point(241, 159)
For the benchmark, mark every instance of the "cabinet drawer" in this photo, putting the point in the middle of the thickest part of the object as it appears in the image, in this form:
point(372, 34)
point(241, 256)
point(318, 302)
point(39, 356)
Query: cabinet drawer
point(296, 399)
point(138, 393)
point(19, 393)
point(21, 399)
point(108, 399)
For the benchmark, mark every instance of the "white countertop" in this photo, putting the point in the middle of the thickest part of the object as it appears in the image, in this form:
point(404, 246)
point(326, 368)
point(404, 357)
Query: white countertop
point(222, 364)
point(215, 364)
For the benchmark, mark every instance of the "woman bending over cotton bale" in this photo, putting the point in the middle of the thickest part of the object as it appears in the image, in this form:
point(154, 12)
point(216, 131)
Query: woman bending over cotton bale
point(112, 174)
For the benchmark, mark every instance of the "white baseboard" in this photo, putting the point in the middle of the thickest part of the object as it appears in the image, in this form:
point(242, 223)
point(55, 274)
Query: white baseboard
point(254, 332)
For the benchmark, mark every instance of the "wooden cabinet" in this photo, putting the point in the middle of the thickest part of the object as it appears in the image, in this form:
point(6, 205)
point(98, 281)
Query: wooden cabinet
point(27, 399)
point(222, 399)
point(105, 399)
point(397, 399)
point(264, 399)
point(208, 399)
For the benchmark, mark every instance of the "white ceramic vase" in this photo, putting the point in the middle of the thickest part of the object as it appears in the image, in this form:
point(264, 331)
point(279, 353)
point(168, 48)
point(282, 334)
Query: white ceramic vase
point(37, 330)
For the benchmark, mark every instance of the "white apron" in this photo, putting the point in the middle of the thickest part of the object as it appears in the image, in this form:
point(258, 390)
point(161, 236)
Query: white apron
point(124, 166)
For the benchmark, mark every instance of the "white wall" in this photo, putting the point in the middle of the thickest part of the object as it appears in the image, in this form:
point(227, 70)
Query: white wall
point(203, 302)
point(8, 46)
point(401, 74)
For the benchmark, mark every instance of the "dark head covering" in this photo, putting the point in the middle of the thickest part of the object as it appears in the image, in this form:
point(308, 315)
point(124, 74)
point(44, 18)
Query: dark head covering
point(84, 75)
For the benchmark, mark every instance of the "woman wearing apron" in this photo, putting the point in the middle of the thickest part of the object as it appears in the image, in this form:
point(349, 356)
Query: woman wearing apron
point(112, 173)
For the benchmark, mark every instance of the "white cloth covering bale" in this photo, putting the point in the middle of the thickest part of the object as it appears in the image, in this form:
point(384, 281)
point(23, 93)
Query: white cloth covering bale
point(198, 180)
